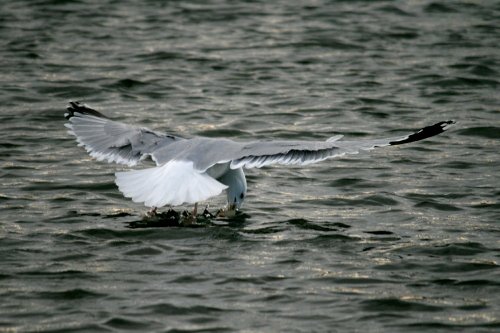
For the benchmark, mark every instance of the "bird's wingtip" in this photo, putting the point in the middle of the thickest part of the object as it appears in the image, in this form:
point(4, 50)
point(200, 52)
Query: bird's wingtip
point(424, 133)
point(82, 108)
point(447, 124)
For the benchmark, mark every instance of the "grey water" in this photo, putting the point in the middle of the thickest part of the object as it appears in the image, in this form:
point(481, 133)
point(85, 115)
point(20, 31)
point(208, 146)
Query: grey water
point(400, 239)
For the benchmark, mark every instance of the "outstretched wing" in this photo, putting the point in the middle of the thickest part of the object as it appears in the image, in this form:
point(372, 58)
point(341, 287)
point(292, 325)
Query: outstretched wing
point(208, 152)
point(110, 140)
point(260, 154)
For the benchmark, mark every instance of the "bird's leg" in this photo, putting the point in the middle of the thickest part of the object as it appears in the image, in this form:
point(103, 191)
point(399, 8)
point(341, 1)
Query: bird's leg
point(195, 209)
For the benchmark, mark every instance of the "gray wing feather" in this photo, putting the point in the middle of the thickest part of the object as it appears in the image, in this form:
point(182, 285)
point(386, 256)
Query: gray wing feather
point(299, 153)
point(205, 152)
point(110, 140)
point(259, 154)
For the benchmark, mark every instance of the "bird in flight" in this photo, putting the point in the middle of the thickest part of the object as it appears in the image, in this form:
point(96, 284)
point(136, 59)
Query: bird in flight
point(189, 171)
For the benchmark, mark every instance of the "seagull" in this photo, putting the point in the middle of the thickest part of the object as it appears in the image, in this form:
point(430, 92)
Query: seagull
point(192, 170)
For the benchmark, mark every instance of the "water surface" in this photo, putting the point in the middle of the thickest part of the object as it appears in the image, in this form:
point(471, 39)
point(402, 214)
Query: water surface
point(399, 239)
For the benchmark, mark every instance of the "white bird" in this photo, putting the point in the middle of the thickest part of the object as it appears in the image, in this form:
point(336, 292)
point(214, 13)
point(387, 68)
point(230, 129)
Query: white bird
point(192, 170)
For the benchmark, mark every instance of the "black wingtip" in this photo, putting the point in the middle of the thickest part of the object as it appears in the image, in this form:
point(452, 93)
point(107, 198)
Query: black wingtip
point(425, 132)
point(81, 108)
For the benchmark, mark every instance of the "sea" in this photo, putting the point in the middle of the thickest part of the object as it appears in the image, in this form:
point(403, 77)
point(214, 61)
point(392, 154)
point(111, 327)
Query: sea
point(398, 239)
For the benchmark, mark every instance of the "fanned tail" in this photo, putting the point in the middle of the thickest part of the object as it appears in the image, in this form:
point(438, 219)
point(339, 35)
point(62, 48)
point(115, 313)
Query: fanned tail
point(173, 183)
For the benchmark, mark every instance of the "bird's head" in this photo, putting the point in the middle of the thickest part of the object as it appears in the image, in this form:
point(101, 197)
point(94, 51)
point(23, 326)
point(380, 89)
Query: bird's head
point(235, 200)
point(237, 189)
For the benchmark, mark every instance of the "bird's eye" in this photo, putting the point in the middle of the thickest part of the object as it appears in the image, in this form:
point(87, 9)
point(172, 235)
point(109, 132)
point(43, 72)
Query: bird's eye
point(242, 196)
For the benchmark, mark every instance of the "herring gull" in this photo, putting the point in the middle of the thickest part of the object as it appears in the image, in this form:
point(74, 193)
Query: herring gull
point(189, 171)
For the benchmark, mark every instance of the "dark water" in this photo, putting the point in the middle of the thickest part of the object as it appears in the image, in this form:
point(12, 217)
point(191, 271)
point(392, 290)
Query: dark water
point(402, 239)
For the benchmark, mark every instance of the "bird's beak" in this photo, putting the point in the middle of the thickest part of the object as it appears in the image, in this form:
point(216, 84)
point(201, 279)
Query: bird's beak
point(233, 206)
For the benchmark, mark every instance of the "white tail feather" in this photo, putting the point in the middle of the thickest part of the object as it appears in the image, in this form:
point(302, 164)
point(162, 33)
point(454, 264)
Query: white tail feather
point(173, 183)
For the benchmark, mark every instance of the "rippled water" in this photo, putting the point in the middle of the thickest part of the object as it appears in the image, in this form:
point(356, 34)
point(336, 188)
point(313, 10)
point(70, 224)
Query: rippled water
point(400, 239)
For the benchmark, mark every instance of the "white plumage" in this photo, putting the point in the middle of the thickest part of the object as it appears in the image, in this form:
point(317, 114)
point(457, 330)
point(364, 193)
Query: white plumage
point(174, 183)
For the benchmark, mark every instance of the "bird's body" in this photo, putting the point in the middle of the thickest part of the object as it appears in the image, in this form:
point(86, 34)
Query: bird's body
point(193, 170)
